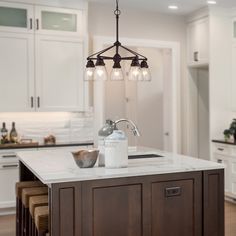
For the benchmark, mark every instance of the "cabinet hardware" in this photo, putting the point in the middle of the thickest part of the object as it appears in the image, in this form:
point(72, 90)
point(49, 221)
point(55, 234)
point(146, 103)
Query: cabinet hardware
point(32, 102)
point(38, 101)
point(31, 23)
point(173, 192)
point(195, 56)
point(9, 166)
point(37, 24)
point(9, 156)
point(221, 149)
point(219, 161)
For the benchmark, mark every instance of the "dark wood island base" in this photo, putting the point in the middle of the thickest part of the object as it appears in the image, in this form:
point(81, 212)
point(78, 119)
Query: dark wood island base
point(181, 204)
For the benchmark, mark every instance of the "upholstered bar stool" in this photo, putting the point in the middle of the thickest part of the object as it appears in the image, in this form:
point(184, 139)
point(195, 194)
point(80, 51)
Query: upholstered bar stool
point(41, 215)
point(26, 194)
point(35, 201)
point(19, 187)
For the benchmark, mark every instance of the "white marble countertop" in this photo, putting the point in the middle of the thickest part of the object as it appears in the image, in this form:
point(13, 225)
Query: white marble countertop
point(57, 166)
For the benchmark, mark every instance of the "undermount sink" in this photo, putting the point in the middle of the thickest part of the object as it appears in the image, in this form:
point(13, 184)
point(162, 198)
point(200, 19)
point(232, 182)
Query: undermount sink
point(144, 156)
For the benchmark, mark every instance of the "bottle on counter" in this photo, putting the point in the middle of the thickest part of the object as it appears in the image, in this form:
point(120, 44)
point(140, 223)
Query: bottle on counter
point(13, 133)
point(4, 134)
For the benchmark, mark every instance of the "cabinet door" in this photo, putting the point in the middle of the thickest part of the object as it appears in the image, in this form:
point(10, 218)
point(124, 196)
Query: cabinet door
point(59, 73)
point(112, 208)
point(198, 45)
point(58, 21)
point(228, 173)
point(16, 17)
point(233, 79)
point(213, 203)
point(9, 174)
point(17, 72)
point(233, 177)
point(176, 207)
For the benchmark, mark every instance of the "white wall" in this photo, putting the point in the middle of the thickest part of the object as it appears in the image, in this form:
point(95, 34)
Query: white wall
point(145, 25)
point(220, 72)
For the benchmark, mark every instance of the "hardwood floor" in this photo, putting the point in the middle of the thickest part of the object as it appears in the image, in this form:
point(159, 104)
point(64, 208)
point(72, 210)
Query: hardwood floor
point(7, 223)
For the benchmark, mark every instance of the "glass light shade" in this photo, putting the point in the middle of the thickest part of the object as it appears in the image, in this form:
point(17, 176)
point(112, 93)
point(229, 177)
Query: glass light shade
point(146, 74)
point(89, 73)
point(135, 73)
point(100, 73)
point(117, 74)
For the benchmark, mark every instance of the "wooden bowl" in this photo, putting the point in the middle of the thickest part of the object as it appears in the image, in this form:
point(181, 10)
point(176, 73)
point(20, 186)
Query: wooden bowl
point(85, 158)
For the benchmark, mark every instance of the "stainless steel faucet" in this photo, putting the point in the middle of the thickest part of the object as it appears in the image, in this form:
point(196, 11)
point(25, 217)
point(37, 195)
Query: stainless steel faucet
point(134, 128)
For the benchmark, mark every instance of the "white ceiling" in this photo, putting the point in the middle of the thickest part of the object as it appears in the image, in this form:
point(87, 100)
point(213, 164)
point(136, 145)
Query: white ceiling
point(185, 6)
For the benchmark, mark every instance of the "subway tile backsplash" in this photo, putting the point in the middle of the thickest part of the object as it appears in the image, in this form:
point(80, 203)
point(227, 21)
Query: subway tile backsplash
point(67, 127)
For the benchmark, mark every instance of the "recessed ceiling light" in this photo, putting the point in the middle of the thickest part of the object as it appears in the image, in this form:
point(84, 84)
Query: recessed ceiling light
point(173, 7)
point(211, 2)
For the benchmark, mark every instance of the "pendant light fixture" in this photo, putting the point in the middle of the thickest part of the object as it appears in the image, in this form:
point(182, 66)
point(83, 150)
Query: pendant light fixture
point(95, 68)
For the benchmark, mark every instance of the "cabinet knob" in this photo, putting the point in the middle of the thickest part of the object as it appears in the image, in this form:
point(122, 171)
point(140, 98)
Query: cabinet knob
point(219, 161)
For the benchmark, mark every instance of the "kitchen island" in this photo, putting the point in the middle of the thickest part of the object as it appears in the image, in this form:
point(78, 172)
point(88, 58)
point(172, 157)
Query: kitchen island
point(170, 195)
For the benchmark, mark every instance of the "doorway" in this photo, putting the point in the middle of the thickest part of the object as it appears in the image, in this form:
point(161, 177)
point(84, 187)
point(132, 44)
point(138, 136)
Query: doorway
point(148, 104)
point(151, 105)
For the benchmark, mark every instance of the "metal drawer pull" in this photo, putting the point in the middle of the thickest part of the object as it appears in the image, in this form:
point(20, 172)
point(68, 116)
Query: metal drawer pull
point(32, 102)
point(9, 166)
point(38, 99)
point(221, 149)
point(195, 56)
point(173, 192)
point(37, 24)
point(219, 161)
point(9, 156)
point(31, 23)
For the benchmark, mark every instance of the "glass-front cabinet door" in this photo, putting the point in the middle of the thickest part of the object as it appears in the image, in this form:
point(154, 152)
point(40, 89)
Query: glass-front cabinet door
point(16, 17)
point(57, 21)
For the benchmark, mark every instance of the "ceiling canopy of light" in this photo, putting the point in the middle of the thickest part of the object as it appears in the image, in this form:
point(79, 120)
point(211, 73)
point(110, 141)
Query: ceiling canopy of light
point(139, 70)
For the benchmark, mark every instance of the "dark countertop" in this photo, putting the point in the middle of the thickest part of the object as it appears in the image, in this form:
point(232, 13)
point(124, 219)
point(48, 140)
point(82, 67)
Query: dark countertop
point(223, 142)
point(85, 143)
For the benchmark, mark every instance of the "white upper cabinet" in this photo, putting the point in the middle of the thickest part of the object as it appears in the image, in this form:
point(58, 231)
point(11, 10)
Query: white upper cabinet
point(59, 73)
point(198, 42)
point(58, 21)
point(16, 72)
point(42, 58)
point(16, 17)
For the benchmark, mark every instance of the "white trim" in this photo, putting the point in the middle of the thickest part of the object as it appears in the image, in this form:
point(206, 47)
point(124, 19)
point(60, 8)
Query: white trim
point(99, 88)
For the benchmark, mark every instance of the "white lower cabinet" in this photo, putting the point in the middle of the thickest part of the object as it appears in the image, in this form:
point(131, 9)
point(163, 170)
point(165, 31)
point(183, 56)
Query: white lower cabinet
point(226, 154)
point(9, 175)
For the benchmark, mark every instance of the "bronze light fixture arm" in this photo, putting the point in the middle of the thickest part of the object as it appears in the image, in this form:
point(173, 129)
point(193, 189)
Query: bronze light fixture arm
point(135, 57)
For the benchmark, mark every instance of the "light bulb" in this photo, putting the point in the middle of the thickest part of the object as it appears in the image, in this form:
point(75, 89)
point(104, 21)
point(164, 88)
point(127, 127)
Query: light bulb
point(135, 73)
point(117, 74)
point(89, 73)
point(100, 73)
point(146, 74)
